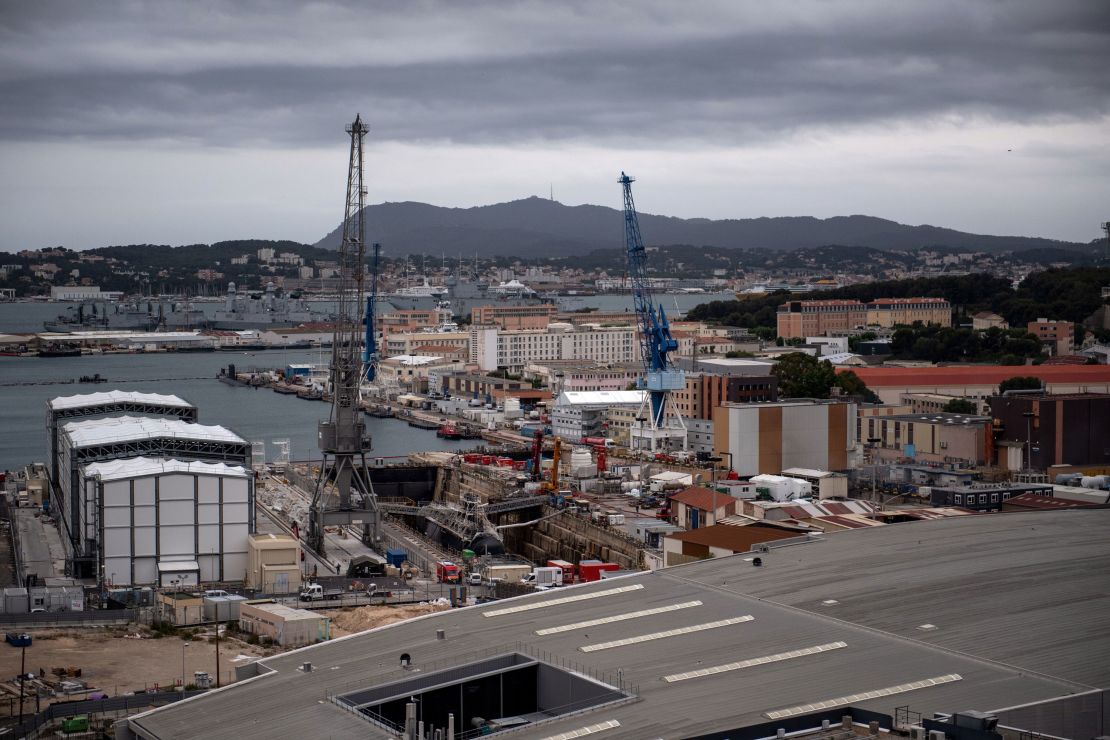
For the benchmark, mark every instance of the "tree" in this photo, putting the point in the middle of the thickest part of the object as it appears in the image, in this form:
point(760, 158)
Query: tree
point(1019, 383)
point(802, 376)
point(960, 406)
point(853, 385)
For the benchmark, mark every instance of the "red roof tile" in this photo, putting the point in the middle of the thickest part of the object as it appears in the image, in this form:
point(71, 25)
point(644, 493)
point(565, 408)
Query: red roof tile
point(1033, 501)
point(847, 522)
point(878, 377)
point(737, 539)
point(702, 498)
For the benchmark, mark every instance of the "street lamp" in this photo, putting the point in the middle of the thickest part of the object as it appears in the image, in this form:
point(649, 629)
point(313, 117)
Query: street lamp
point(22, 675)
point(641, 419)
point(872, 443)
point(183, 646)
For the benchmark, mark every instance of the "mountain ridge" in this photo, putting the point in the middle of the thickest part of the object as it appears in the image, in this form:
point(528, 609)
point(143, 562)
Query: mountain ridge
point(532, 227)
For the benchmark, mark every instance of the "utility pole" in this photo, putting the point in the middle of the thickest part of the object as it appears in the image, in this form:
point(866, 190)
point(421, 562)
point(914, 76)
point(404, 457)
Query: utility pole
point(1028, 440)
point(22, 678)
point(217, 653)
point(183, 646)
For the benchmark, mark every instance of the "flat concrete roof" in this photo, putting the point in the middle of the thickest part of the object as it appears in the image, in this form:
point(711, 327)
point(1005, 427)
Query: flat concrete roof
point(1014, 618)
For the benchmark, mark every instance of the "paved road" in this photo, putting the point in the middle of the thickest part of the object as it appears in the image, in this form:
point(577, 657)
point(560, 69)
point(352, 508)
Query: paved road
point(40, 545)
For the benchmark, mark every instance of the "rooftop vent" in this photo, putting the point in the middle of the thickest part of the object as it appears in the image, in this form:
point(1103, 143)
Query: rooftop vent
point(492, 695)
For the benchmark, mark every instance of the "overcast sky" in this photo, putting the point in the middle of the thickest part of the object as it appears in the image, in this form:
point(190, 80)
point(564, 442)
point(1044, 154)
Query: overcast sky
point(132, 122)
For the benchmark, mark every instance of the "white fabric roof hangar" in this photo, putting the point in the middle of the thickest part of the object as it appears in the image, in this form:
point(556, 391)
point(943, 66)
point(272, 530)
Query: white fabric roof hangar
point(102, 398)
point(138, 467)
point(120, 428)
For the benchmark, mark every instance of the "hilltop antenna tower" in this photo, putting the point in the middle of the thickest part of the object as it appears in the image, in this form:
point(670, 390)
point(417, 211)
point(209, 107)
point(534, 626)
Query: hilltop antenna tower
point(343, 438)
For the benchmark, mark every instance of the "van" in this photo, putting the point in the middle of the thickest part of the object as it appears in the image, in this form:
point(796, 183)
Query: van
point(474, 579)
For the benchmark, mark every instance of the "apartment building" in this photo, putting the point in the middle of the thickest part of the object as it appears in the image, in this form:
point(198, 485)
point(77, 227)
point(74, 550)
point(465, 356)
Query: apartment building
point(1057, 336)
point(395, 322)
point(888, 312)
point(988, 320)
point(579, 414)
point(420, 342)
point(411, 372)
point(800, 319)
point(492, 348)
point(514, 317)
point(704, 392)
point(571, 375)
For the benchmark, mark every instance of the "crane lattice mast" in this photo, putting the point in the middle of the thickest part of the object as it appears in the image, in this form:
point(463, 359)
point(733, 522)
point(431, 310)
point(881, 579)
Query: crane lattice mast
point(343, 438)
point(656, 342)
point(370, 348)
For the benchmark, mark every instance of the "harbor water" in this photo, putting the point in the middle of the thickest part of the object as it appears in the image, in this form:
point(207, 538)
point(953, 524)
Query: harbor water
point(26, 383)
point(29, 317)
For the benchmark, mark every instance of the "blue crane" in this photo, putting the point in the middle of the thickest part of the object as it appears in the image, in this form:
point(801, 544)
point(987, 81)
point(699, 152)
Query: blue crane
point(656, 342)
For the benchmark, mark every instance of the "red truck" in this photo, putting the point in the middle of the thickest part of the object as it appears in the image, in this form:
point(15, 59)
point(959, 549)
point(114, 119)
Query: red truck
point(590, 570)
point(597, 441)
point(567, 568)
point(448, 572)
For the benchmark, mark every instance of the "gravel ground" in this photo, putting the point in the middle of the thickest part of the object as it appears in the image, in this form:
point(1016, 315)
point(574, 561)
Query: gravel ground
point(116, 664)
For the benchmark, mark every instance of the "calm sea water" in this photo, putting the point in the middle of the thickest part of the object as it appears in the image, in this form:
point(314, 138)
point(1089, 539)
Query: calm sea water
point(29, 317)
point(256, 415)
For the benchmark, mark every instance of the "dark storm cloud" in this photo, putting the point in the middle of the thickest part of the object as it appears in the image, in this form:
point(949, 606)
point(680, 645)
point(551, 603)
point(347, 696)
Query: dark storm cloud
point(634, 72)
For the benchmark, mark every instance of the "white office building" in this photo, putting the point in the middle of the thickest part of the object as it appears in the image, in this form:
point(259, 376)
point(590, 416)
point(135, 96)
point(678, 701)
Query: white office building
point(579, 414)
point(492, 348)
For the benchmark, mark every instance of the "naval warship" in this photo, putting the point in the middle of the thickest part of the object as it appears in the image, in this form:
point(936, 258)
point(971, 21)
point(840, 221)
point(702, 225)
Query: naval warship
point(266, 310)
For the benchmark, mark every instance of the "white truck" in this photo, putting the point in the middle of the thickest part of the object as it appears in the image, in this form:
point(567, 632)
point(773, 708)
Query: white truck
point(544, 577)
point(316, 592)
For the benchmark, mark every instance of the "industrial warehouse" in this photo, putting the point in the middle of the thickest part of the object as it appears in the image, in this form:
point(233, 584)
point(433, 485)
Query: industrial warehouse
point(945, 616)
point(149, 500)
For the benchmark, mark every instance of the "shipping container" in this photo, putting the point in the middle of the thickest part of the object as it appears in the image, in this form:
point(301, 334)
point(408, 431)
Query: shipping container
point(222, 608)
point(590, 570)
point(395, 556)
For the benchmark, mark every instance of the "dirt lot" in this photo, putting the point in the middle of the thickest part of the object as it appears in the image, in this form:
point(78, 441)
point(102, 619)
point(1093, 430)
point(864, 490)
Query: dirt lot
point(349, 621)
point(115, 663)
point(118, 660)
